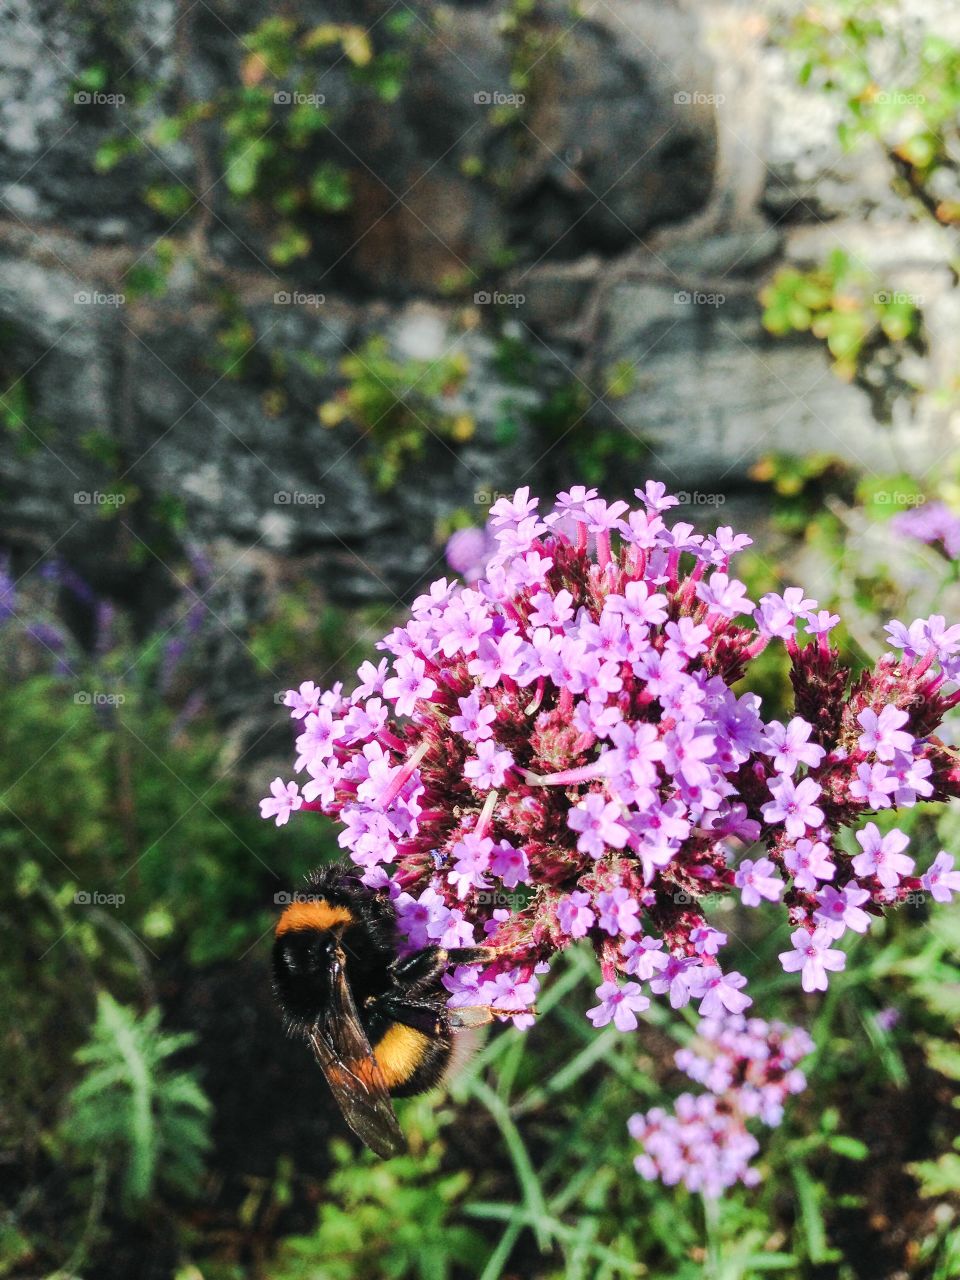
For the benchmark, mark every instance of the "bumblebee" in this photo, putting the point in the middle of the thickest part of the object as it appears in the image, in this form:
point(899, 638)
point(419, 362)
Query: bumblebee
point(377, 1022)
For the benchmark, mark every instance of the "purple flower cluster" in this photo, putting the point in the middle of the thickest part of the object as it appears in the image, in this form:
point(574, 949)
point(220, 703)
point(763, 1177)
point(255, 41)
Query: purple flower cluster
point(933, 522)
point(566, 732)
point(748, 1067)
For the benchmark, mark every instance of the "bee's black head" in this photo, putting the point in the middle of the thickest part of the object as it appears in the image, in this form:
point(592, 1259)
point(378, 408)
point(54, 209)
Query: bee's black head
point(304, 961)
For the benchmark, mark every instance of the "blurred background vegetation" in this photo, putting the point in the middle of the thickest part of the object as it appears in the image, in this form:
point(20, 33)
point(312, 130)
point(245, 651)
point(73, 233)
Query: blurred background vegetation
point(288, 295)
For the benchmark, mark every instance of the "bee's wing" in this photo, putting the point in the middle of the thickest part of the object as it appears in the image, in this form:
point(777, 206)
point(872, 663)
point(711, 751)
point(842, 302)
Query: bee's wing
point(353, 1073)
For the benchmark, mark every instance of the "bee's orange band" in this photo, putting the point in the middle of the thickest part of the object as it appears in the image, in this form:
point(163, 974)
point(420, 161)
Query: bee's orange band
point(399, 1052)
point(312, 915)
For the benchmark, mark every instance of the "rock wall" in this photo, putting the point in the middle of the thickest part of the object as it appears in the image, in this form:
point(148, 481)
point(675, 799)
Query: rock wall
point(621, 216)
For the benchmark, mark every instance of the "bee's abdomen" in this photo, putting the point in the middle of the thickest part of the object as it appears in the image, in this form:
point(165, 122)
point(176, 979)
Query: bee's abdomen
point(411, 1061)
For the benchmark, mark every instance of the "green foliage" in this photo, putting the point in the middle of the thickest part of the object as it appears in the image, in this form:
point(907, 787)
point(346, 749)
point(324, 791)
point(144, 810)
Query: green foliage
point(394, 1219)
point(394, 402)
point(593, 453)
point(842, 305)
point(899, 85)
point(132, 1111)
point(271, 129)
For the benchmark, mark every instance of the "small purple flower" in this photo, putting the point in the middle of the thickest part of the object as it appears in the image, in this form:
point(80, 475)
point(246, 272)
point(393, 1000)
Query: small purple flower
point(409, 685)
point(706, 940)
point(809, 861)
point(490, 767)
point(550, 610)
point(884, 734)
point(873, 785)
point(467, 552)
point(932, 522)
point(303, 700)
point(790, 746)
point(597, 821)
point(471, 857)
point(841, 909)
point(574, 915)
point(812, 956)
point(721, 992)
point(756, 881)
point(371, 680)
point(724, 595)
point(284, 800)
point(643, 957)
point(638, 605)
point(793, 805)
point(675, 978)
point(619, 1005)
point(474, 721)
point(776, 615)
point(883, 856)
point(617, 912)
point(423, 919)
point(941, 880)
point(822, 623)
point(509, 864)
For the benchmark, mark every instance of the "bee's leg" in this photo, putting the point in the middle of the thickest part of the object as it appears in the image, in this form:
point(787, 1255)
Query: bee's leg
point(428, 1016)
point(471, 955)
point(423, 967)
point(478, 1015)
